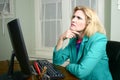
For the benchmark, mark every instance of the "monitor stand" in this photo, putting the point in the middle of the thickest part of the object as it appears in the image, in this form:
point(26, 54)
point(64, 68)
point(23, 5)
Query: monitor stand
point(11, 74)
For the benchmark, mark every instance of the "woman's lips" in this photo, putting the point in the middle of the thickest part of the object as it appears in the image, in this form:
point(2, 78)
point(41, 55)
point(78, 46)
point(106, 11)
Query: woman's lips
point(72, 24)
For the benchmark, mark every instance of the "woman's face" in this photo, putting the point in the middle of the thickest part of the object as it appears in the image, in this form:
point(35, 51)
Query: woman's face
point(78, 22)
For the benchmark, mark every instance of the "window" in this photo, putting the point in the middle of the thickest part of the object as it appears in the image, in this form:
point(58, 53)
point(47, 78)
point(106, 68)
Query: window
point(97, 5)
point(53, 18)
point(6, 11)
point(50, 22)
point(6, 8)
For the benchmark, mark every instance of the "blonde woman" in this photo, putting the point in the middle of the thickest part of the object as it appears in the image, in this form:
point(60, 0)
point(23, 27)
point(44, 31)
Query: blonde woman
point(87, 47)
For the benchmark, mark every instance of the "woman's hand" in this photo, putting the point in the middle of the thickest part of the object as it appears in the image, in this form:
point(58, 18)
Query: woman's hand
point(66, 35)
point(69, 34)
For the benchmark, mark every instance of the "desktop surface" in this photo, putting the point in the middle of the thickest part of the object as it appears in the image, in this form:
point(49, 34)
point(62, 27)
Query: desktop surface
point(5, 64)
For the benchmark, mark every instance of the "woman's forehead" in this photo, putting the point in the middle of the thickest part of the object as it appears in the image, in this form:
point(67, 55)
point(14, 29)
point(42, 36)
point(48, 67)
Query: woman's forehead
point(79, 13)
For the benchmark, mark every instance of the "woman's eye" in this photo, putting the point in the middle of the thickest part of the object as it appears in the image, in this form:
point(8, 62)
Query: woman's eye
point(79, 17)
point(73, 17)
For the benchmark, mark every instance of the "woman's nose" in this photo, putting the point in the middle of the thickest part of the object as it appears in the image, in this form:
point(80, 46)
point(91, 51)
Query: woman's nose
point(74, 19)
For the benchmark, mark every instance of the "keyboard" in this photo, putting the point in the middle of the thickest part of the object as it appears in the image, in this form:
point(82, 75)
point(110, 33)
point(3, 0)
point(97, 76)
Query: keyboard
point(51, 71)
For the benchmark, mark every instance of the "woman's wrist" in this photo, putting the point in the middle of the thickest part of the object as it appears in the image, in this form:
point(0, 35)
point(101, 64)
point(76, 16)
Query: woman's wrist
point(59, 43)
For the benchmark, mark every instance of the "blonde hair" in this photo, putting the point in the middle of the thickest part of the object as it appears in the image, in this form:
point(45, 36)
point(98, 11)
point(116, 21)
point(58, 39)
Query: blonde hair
point(93, 23)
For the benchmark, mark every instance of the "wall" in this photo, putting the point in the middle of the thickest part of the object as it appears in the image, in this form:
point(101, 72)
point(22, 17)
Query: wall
point(115, 21)
point(107, 21)
point(24, 10)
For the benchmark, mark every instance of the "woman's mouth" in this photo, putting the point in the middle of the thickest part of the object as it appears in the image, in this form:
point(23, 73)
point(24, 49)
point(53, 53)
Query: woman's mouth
point(72, 24)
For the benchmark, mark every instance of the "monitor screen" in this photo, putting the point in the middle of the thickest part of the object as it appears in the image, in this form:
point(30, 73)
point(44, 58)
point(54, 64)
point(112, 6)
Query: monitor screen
point(19, 48)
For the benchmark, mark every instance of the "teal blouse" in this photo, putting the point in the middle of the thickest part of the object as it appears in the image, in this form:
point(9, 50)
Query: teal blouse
point(91, 62)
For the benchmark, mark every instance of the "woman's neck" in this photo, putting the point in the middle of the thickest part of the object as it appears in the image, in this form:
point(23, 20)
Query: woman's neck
point(81, 35)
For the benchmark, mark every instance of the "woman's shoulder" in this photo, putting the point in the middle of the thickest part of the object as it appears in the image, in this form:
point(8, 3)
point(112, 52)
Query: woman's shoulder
point(98, 35)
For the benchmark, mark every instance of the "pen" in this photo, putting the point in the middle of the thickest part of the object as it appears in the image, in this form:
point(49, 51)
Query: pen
point(37, 68)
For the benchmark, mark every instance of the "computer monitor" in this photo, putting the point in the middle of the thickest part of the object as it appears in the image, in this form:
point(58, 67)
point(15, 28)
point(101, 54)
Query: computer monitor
point(19, 51)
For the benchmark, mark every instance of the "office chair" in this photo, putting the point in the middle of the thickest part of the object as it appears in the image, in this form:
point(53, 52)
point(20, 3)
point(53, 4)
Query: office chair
point(113, 52)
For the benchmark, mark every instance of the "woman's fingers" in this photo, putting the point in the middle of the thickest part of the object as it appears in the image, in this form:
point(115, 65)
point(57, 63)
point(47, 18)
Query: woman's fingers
point(70, 34)
point(76, 32)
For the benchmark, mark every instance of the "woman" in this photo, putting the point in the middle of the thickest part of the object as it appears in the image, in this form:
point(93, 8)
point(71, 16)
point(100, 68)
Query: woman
point(87, 47)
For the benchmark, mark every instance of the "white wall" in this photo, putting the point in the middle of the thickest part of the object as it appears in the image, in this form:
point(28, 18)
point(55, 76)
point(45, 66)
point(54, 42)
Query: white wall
point(24, 10)
point(115, 21)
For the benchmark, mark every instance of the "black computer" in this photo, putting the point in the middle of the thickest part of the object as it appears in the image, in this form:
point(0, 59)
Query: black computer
point(19, 52)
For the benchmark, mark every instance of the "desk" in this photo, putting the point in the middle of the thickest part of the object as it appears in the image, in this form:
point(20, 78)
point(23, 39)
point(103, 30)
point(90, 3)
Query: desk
point(5, 64)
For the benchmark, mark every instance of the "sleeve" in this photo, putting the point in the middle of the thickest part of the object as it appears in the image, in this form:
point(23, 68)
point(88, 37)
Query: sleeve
point(60, 56)
point(92, 57)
